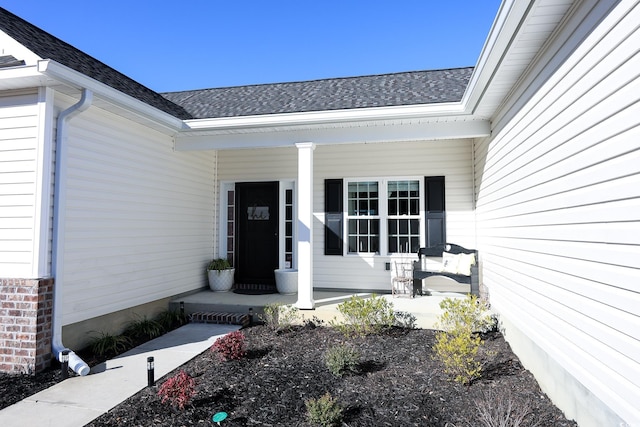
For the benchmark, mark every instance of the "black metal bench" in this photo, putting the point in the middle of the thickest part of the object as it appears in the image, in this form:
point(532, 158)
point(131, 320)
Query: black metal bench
point(436, 251)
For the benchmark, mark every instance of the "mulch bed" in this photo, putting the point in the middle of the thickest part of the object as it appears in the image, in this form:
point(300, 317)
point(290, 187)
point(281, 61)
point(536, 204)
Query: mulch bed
point(399, 384)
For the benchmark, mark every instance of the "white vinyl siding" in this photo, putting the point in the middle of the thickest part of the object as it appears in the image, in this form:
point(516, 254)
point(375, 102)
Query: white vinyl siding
point(558, 215)
point(139, 216)
point(450, 158)
point(18, 184)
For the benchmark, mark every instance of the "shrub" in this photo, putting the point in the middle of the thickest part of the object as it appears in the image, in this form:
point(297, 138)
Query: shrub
point(279, 316)
point(107, 344)
point(171, 319)
point(325, 411)
point(500, 409)
point(178, 390)
point(342, 359)
point(365, 316)
point(230, 347)
point(457, 351)
point(144, 328)
point(457, 346)
point(405, 320)
point(469, 313)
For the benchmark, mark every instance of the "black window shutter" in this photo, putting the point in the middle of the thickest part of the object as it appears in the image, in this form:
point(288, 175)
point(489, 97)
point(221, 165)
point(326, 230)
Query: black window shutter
point(435, 210)
point(333, 217)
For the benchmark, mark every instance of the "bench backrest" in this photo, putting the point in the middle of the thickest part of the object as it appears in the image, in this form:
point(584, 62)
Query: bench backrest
point(436, 251)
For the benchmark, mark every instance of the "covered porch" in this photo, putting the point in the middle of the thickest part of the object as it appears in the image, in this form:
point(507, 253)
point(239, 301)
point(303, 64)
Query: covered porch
point(426, 309)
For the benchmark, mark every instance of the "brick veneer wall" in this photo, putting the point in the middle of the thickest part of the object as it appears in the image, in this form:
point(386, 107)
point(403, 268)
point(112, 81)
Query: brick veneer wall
point(26, 317)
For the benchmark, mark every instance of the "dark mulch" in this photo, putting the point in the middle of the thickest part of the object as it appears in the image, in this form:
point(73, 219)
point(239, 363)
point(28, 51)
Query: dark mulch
point(399, 384)
point(15, 387)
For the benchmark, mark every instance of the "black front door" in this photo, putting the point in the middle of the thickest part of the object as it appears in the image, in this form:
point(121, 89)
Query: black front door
point(257, 232)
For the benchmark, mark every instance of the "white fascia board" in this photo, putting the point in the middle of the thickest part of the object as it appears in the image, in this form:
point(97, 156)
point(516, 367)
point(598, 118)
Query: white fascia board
point(21, 77)
point(370, 133)
point(323, 117)
point(503, 31)
point(105, 92)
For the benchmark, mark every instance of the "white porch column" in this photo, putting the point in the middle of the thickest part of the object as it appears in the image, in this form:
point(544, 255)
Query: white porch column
point(304, 225)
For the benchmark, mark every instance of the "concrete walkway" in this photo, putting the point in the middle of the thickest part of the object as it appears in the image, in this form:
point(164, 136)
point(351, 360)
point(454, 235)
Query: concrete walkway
point(79, 400)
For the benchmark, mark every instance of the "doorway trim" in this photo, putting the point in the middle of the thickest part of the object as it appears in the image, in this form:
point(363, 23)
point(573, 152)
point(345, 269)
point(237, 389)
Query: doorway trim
point(226, 221)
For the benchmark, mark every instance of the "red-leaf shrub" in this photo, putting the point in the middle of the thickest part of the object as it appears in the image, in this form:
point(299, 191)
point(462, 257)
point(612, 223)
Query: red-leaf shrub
point(230, 346)
point(178, 390)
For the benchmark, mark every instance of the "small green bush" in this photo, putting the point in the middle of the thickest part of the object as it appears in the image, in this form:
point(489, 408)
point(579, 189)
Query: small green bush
point(457, 351)
point(171, 319)
point(144, 328)
point(279, 316)
point(232, 346)
point(458, 344)
point(469, 313)
point(178, 390)
point(342, 359)
point(106, 344)
point(405, 320)
point(365, 316)
point(324, 411)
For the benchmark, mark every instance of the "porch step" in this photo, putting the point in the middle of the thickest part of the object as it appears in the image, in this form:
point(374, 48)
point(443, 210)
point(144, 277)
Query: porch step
point(220, 318)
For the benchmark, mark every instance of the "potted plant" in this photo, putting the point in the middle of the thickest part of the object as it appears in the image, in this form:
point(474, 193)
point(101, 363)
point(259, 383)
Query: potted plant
point(220, 274)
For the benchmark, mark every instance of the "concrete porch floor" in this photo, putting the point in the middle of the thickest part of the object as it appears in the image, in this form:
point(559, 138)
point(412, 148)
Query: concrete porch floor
point(426, 309)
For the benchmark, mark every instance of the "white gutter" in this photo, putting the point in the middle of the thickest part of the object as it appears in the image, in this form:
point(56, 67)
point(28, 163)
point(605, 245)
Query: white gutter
point(59, 200)
point(322, 117)
point(75, 79)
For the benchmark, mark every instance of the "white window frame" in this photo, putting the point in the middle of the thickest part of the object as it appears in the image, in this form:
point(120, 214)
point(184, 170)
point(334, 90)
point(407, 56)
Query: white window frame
point(383, 214)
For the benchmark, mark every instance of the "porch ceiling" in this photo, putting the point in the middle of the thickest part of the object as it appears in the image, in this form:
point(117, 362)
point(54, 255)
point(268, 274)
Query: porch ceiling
point(365, 131)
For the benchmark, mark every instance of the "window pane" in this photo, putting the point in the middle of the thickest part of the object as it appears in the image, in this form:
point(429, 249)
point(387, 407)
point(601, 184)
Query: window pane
point(415, 244)
point(363, 226)
point(392, 207)
point(353, 226)
point(353, 244)
point(403, 226)
point(393, 244)
point(403, 209)
point(414, 207)
point(373, 207)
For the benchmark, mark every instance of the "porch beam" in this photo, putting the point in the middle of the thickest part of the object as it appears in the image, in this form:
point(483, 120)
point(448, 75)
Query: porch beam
point(304, 225)
point(341, 134)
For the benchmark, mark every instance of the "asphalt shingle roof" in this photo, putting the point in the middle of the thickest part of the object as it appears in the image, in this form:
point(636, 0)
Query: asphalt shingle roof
point(408, 88)
point(385, 90)
point(47, 46)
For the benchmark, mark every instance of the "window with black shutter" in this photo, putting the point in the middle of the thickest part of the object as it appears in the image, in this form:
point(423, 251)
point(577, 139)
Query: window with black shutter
point(435, 213)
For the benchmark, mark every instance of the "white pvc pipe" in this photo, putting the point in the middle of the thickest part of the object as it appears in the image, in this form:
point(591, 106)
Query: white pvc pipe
point(59, 200)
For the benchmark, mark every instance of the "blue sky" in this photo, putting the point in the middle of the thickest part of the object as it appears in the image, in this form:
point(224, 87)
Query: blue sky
point(195, 44)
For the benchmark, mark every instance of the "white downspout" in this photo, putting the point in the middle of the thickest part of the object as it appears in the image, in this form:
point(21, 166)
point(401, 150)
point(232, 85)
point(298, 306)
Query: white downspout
point(59, 200)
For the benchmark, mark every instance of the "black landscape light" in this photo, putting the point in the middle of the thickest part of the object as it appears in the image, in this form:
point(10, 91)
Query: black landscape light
point(250, 316)
point(182, 309)
point(150, 374)
point(64, 360)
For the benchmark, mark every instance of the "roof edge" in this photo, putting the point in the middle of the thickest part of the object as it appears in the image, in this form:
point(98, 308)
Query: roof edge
point(75, 79)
